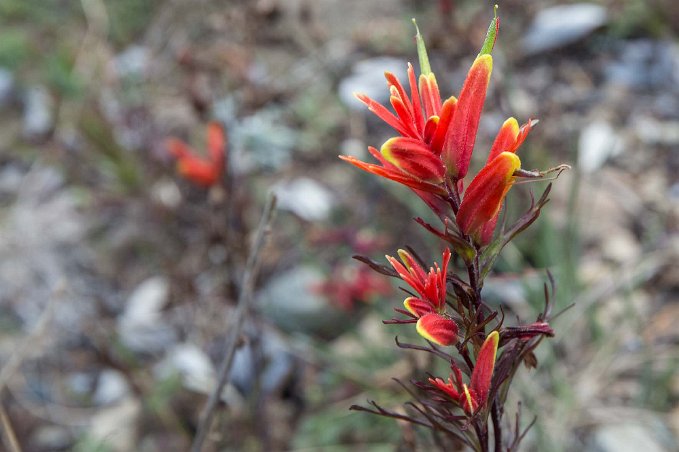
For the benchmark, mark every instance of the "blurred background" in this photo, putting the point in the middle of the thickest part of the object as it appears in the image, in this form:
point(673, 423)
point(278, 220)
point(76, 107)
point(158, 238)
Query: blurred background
point(118, 277)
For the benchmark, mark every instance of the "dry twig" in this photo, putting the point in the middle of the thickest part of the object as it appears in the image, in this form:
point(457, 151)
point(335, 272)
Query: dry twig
point(244, 298)
point(9, 436)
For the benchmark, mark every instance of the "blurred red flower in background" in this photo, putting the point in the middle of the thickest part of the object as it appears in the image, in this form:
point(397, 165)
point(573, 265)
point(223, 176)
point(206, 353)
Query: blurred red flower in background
point(202, 171)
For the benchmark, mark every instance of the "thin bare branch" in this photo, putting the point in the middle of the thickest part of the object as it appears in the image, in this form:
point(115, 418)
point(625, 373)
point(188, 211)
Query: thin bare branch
point(9, 436)
point(247, 287)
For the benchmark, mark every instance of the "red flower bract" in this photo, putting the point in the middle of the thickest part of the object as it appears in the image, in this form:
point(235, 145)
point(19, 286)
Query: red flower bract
point(461, 135)
point(483, 198)
point(471, 397)
point(201, 170)
point(430, 306)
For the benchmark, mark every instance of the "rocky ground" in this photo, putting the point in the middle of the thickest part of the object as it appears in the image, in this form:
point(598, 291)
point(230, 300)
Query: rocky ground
point(118, 278)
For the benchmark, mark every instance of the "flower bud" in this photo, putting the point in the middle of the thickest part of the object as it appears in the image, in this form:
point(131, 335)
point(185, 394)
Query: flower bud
point(414, 158)
point(461, 135)
point(485, 194)
point(437, 329)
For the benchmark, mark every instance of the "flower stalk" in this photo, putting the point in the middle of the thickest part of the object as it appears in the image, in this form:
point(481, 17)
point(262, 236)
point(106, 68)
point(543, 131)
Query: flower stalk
point(431, 154)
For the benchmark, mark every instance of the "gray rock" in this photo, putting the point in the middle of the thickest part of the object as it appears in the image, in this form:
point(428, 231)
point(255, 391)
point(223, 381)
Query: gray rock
point(115, 427)
point(10, 179)
point(598, 141)
point(654, 132)
point(42, 250)
point(192, 364)
point(196, 371)
point(132, 62)
point(367, 77)
point(291, 302)
point(148, 299)
point(52, 437)
point(644, 64)
point(305, 198)
point(142, 327)
point(112, 386)
point(632, 437)
point(558, 26)
point(261, 141)
point(80, 383)
point(7, 86)
point(674, 192)
point(38, 112)
point(278, 363)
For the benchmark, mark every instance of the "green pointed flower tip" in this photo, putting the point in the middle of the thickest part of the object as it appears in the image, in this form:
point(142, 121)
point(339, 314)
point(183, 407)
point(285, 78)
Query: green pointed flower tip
point(491, 34)
point(425, 68)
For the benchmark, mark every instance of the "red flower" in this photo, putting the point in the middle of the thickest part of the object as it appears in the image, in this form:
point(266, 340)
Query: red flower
point(200, 170)
point(429, 307)
point(485, 194)
point(509, 139)
point(436, 137)
point(461, 134)
point(474, 396)
point(347, 284)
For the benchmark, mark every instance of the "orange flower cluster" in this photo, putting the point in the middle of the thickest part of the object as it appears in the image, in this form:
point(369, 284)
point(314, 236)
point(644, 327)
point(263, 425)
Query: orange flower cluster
point(436, 139)
point(202, 171)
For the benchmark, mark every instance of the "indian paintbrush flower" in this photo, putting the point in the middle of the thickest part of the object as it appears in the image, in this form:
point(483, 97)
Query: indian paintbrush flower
point(474, 396)
point(431, 154)
point(461, 134)
point(509, 139)
point(438, 130)
point(430, 305)
point(436, 139)
point(483, 198)
point(203, 171)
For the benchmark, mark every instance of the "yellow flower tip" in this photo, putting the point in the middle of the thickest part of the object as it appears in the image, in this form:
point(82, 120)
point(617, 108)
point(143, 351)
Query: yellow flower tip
point(494, 336)
point(483, 62)
point(468, 396)
point(405, 257)
point(513, 124)
point(514, 162)
point(425, 334)
point(385, 150)
point(409, 308)
point(437, 329)
point(493, 340)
